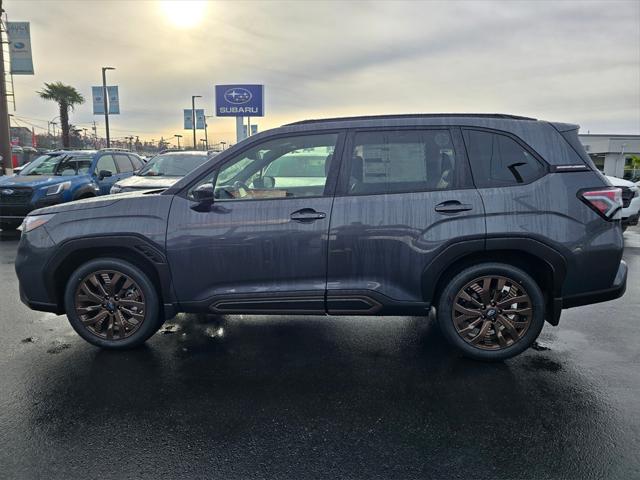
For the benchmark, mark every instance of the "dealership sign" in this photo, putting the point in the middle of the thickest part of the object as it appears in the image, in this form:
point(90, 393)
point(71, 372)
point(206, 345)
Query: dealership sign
point(19, 35)
point(240, 100)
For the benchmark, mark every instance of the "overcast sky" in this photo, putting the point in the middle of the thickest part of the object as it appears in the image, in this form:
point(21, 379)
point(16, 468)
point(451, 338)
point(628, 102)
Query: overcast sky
point(556, 60)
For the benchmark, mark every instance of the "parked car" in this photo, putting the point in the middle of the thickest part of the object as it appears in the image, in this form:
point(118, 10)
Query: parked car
point(162, 171)
point(497, 221)
point(59, 177)
point(630, 201)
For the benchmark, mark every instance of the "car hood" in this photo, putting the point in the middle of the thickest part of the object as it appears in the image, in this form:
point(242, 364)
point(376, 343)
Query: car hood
point(137, 181)
point(87, 203)
point(34, 181)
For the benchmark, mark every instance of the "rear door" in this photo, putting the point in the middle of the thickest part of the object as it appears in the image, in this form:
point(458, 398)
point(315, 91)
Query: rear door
point(403, 196)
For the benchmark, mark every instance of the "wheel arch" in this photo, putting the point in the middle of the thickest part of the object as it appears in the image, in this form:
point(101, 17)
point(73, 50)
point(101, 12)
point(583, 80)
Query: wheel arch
point(545, 264)
point(134, 249)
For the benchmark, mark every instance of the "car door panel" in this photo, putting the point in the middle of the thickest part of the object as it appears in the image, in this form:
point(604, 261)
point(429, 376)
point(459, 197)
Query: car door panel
point(381, 244)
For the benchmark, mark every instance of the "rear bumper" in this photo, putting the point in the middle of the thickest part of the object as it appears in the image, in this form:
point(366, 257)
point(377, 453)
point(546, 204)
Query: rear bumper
point(616, 290)
point(631, 220)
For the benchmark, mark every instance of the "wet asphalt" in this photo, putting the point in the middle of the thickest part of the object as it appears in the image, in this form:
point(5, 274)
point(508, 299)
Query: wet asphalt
point(318, 397)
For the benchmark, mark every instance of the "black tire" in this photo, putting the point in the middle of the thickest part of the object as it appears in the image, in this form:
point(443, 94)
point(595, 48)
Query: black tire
point(9, 226)
point(152, 311)
point(534, 318)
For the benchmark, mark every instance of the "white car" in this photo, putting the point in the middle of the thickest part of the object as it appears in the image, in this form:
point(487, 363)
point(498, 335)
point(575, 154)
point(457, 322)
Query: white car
point(630, 200)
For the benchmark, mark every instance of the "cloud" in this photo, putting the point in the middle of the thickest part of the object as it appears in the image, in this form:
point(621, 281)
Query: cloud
point(571, 61)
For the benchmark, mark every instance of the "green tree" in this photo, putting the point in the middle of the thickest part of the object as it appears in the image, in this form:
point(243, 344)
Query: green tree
point(67, 97)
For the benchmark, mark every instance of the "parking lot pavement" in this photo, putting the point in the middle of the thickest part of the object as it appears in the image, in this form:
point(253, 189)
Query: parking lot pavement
point(323, 397)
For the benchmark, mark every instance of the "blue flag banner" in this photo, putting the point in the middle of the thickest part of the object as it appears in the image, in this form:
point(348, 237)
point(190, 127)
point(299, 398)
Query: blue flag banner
point(188, 119)
point(98, 100)
point(114, 100)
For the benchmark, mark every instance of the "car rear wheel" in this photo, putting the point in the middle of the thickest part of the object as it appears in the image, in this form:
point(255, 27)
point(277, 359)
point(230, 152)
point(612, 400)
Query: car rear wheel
point(111, 303)
point(491, 311)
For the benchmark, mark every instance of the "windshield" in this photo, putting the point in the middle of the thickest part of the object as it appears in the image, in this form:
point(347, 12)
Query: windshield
point(58, 164)
point(172, 164)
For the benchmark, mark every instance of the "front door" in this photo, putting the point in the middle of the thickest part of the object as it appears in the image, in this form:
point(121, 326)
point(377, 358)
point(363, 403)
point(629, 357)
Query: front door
point(106, 163)
point(404, 196)
point(261, 246)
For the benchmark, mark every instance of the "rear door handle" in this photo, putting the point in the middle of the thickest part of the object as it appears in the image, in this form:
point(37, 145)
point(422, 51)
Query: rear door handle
point(307, 215)
point(453, 206)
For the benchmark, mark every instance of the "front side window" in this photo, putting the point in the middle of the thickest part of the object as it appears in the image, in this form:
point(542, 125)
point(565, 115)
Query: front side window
point(281, 168)
point(106, 163)
point(65, 165)
point(402, 161)
point(499, 161)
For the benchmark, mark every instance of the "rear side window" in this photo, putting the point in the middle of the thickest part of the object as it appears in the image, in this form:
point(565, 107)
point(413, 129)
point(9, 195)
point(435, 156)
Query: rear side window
point(499, 161)
point(137, 163)
point(124, 164)
point(403, 161)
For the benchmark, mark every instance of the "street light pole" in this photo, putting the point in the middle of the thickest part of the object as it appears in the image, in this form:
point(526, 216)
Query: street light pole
point(193, 118)
point(5, 135)
point(104, 99)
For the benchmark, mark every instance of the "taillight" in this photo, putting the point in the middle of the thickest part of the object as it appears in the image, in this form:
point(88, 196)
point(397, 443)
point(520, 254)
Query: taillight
point(606, 201)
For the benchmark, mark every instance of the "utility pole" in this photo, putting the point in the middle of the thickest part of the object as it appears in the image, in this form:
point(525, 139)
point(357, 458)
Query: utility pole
point(206, 135)
point(5, 135)
point(104, 99)
point(178, 137)
point(193, 118)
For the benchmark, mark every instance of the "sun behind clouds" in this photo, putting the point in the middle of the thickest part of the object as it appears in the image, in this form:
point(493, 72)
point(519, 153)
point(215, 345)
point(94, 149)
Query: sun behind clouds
point(184, 13)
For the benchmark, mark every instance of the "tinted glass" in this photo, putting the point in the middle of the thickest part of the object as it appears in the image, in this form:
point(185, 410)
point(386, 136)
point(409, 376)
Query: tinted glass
point(285, 167)
point(107, 163)
point(172, 164)
point(499, 161)
point(402, 161)
point(137, 163)
point(66, 165)
point(124, 164)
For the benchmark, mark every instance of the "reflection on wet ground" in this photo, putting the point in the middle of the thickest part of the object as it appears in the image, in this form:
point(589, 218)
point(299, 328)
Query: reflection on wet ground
point(331, 397)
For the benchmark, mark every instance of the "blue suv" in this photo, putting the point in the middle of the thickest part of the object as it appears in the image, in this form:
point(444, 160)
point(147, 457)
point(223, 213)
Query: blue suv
point(62, 176)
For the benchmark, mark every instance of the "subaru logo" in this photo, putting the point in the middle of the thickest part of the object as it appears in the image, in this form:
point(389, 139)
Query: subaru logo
point(18, 45)
point(237, 96)
point(7, 191)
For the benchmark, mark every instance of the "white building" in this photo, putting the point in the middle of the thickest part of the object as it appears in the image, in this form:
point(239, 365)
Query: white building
point(612, 153)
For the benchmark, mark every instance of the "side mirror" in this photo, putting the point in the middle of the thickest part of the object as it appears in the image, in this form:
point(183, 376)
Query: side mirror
point(104, 174)
point(203, 193)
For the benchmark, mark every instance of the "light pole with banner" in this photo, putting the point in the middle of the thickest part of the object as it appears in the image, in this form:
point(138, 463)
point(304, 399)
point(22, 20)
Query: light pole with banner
point(193, 118)
point(104, 99)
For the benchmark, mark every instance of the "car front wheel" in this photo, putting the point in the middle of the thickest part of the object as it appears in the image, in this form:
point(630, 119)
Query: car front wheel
point(491, 311)
point(111, 303)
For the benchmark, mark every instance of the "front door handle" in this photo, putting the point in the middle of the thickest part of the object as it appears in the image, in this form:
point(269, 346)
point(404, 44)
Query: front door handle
point(453, 206)
point(307, 215)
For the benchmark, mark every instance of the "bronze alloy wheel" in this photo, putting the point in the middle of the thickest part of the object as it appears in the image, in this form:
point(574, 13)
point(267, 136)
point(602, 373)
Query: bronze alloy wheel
point(492, 312)
point(110, 304)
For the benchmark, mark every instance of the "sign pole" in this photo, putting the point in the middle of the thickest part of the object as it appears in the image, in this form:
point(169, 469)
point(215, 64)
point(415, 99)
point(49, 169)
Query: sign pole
point(104, 99)
point(5, 137)
point(239, 127)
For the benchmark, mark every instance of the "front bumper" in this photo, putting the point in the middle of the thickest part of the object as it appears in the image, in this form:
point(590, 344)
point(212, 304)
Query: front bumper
point(34, 251)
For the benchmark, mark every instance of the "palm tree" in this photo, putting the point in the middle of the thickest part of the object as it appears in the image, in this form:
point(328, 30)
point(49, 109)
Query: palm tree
point(66, 96)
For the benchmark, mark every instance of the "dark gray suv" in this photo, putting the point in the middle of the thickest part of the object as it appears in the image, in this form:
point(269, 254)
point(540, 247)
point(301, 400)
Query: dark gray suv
point(496, 221)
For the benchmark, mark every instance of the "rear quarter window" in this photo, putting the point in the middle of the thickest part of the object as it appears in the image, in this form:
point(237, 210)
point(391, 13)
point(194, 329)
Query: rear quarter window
point(498, 160)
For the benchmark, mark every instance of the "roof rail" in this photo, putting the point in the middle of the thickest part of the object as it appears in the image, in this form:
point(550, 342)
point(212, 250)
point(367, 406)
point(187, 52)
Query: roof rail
point(413, 115)
point(114, 149)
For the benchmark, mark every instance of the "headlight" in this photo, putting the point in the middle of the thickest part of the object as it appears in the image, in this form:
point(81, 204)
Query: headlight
point(115, 189)
point(34, 221)
point(59, 188)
